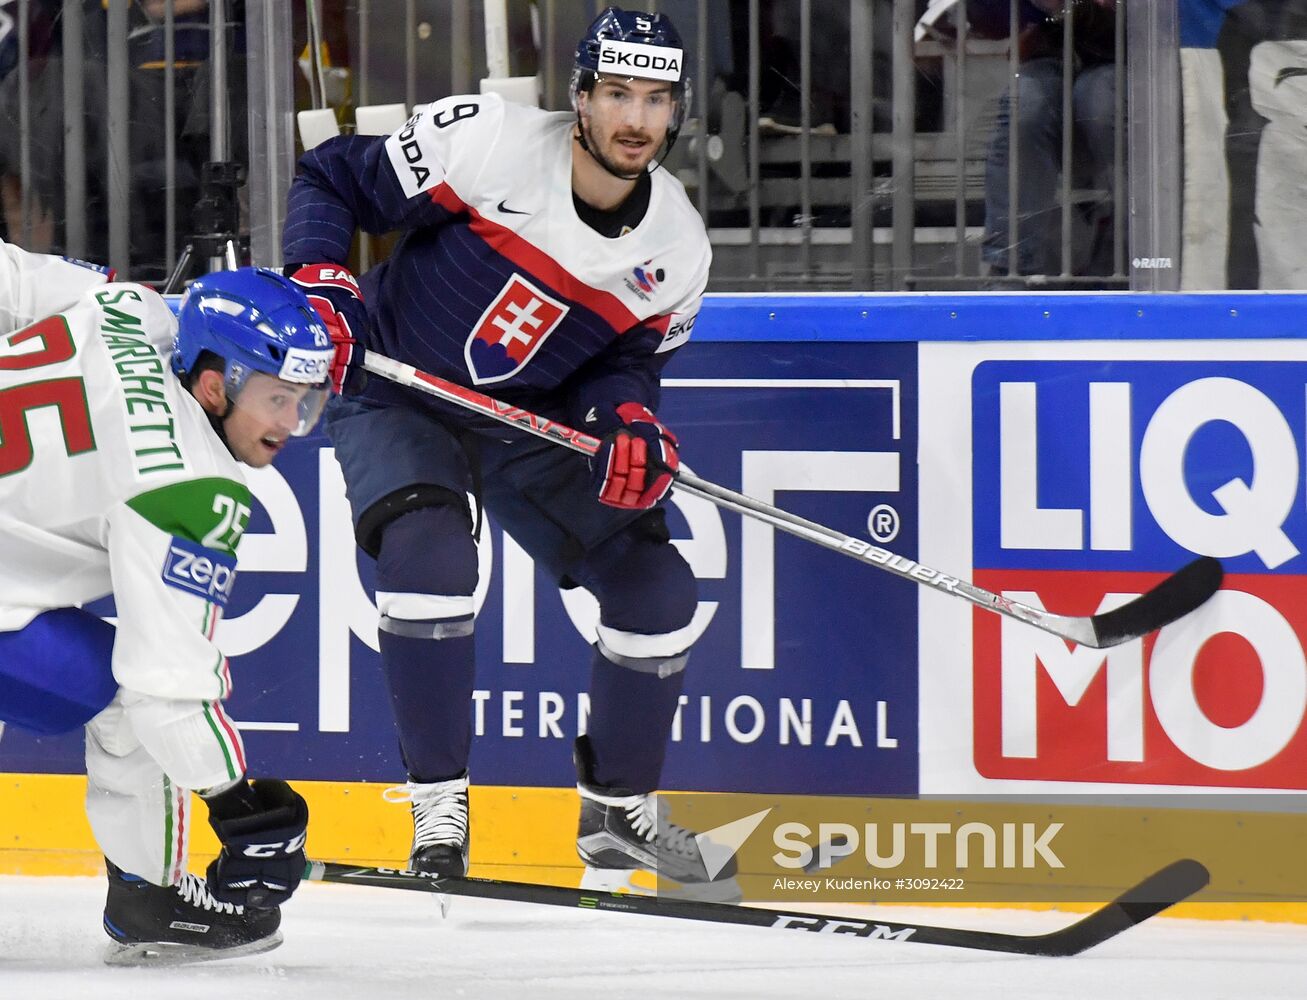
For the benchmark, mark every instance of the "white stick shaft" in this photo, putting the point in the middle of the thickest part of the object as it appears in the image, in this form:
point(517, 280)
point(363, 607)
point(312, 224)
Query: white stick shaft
point(1076, 629)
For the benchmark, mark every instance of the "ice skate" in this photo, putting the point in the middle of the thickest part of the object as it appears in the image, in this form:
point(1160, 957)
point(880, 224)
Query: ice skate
point(626, 845)
point(181, 924)
point(440, 824)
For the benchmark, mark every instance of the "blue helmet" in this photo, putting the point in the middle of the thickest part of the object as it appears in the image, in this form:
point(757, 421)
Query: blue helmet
point(256, 321)
point(631, 43)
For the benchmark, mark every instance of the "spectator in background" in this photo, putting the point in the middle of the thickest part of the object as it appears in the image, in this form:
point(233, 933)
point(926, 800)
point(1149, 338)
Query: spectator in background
point(44, 227)
point(1040, 129)
point(32, 220)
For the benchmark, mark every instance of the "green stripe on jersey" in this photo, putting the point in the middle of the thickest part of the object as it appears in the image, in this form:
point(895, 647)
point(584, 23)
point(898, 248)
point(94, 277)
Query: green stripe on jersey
point(212, 511)
point(168, 799)
point(223, 741)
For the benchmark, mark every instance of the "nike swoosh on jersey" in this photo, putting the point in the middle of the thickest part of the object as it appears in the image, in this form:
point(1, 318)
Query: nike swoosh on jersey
point(1288, 73)
point(510, 211)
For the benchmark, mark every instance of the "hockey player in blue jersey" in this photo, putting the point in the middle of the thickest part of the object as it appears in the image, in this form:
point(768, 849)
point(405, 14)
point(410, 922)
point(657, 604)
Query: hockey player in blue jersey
point(546, 257)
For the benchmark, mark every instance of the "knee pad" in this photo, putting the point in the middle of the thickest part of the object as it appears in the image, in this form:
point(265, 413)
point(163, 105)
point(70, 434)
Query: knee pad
point(647, 598)
point(427, 573)
point(56, 674)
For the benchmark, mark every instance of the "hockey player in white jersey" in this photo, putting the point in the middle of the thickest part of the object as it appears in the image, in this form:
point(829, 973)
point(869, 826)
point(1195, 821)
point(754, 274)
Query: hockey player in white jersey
point(121, 430)
point(548, 257)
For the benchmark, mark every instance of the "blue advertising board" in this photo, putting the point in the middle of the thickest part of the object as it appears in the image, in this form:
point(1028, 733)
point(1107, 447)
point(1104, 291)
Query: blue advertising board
point(1071, 448)
point(804, 679)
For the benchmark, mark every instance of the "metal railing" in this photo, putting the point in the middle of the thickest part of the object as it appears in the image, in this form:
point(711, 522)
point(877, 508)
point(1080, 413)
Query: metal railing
point(893, 196)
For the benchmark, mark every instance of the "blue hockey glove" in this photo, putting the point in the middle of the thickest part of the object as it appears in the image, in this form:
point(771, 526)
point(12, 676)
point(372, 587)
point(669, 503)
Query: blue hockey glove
point(635, 464)
point(334, 293)
point(262, 829)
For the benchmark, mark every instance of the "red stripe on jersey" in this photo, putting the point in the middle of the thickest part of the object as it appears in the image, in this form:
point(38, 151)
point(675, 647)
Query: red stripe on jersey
point(659, 323)
point(180, 853)
point(538, 264)
point(234, 736)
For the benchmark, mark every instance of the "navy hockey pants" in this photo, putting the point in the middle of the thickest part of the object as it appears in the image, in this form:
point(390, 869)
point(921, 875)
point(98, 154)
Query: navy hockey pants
point(407, 476)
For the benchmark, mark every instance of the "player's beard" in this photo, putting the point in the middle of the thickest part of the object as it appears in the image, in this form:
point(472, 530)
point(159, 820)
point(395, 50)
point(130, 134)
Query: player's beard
point(607, 162)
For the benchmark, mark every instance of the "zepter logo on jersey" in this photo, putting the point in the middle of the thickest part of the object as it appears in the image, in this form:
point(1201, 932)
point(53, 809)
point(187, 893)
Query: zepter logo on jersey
point(206, 573)
point(654, 62)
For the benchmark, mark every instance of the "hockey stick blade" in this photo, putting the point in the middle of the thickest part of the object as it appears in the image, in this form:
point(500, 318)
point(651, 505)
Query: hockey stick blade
point(1173, 598)
point(1160, 891)
point(1174, 883)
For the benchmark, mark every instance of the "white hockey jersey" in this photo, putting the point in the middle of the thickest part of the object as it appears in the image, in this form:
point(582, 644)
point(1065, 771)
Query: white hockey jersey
point(113, 481)
point(498, 281)
point(35, 285)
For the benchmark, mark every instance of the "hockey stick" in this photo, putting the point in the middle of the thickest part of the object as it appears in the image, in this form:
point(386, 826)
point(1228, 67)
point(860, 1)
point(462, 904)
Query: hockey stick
point(1173, 598)
point(1173, 884)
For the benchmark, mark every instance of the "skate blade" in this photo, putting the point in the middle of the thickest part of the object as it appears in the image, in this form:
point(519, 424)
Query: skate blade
point(644, 883)
point(722, 891)
point(161, 954)
point(628, 880)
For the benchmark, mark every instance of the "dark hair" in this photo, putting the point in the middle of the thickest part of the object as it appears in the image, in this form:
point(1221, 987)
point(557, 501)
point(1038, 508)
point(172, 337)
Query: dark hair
point(206, 362)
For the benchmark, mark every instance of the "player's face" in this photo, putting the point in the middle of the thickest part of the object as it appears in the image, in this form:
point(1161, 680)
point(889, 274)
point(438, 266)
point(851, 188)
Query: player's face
point(263, 417)
point(627, 121)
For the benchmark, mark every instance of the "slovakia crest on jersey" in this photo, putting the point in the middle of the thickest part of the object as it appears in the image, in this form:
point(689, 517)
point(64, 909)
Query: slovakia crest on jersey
point(511, 330)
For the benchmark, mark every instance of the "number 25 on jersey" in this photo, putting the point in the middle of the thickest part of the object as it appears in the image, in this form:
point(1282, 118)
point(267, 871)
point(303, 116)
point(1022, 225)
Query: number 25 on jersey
point(66, 395)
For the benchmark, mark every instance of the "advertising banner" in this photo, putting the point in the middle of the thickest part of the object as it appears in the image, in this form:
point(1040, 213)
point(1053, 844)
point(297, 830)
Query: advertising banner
point(804, 678)
point(1073, 477)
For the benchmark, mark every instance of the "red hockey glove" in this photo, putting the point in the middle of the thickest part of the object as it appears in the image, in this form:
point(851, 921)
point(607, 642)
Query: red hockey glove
point(635, 464)
point(334, 293)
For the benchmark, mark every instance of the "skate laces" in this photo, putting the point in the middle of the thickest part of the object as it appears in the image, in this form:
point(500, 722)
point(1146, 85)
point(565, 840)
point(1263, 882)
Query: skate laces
point(646, 814)
point(439, 810)
point(195, 891)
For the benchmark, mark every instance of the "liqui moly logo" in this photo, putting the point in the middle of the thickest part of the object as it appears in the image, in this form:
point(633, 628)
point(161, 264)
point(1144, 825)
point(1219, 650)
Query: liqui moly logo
point(1104, 478)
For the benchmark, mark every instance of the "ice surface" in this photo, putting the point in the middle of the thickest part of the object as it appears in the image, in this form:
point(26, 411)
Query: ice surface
point(377, 944)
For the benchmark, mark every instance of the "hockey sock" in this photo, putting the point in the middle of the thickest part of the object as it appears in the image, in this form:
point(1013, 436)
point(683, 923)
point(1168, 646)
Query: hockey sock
point(630, 719)
point(430, 683)
point(426, 574)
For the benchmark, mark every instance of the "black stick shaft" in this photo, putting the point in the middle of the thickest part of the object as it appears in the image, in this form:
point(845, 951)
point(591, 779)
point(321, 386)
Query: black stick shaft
point(1165, 888)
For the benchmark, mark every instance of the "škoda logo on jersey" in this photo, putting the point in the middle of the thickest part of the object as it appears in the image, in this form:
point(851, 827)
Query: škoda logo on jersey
point(206, 573)
point(511, 330)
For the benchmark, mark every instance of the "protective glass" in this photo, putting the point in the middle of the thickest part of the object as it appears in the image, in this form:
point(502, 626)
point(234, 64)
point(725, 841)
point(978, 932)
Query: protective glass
point(285, 408)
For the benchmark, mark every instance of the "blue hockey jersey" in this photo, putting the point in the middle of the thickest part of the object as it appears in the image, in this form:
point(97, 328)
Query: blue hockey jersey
point(497, 282)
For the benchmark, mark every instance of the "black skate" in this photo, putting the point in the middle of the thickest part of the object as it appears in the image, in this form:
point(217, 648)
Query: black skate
point(621, 833)
point(177, 925)
point(440, 824)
